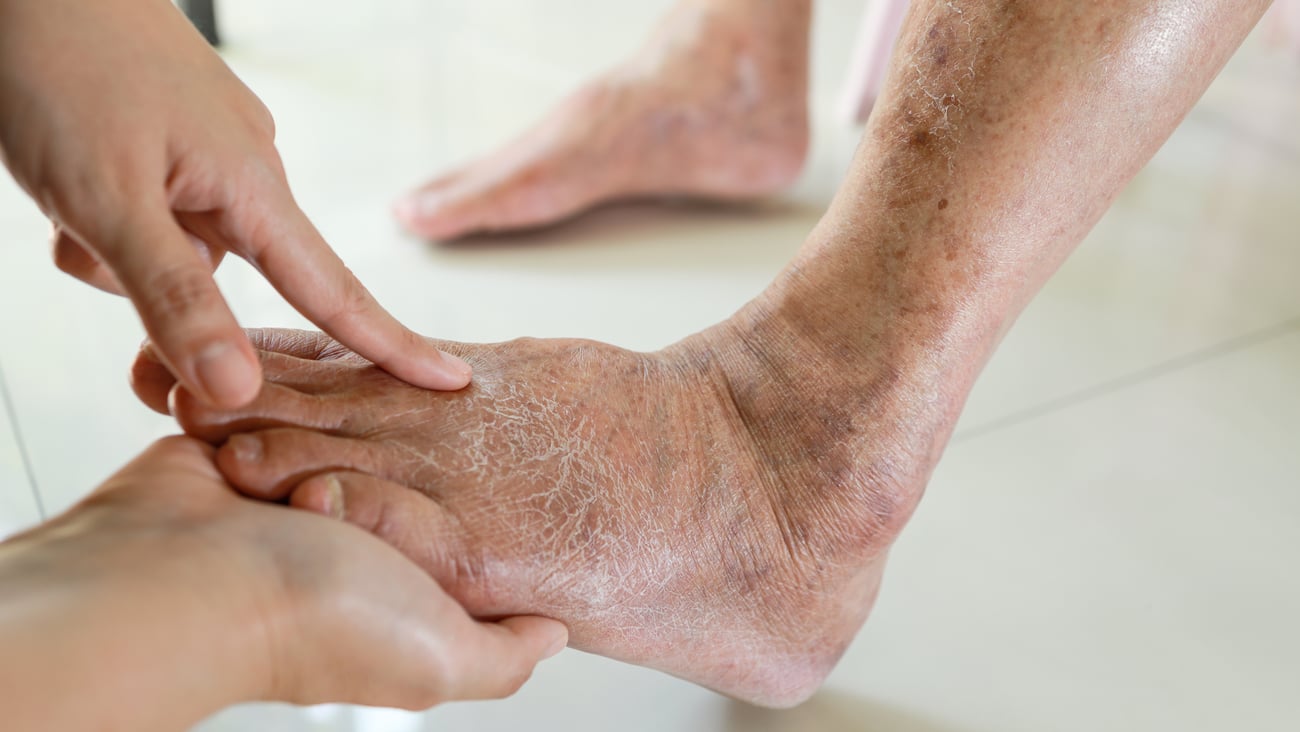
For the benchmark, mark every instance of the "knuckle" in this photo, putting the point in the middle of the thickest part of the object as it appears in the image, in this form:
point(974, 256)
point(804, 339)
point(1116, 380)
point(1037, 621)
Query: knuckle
point(180, 291)
point(350, 304)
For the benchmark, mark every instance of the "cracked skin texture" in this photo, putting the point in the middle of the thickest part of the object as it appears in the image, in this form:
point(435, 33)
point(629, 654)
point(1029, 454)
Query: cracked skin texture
point(722, 509)
point(669, 512)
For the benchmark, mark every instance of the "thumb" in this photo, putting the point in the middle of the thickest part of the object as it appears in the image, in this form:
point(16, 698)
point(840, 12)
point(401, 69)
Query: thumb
point(496, 659)
point(188, 321)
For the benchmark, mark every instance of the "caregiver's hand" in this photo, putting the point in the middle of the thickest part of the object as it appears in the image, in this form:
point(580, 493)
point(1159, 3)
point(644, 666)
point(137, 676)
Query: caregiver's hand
point(164, 597)
point(153, 160)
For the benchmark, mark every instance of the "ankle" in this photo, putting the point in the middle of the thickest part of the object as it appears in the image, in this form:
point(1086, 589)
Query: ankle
point(843, 401)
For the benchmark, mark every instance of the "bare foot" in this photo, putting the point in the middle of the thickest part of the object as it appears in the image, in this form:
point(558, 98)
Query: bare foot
point(718, 510)
point(714, 107)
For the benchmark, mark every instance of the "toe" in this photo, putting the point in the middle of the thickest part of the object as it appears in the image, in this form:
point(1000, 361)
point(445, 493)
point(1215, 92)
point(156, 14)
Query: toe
point(269, 464)
point(308, 345)
point(448, 210)
point(301, 359)
point(541, 179)
point(275, 406)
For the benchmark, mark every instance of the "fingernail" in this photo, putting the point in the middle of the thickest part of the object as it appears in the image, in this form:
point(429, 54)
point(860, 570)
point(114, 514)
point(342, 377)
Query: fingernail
point(225, 375)
point(247, 448)
point(457, 366)
point(333, 497)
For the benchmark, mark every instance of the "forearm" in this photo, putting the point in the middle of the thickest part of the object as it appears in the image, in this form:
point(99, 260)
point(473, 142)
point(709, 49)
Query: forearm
point(81, 651)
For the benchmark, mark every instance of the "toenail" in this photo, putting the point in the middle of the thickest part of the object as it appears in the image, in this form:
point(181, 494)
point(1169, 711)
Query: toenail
point(333, 497)
point(247, 448)
point(430, 204)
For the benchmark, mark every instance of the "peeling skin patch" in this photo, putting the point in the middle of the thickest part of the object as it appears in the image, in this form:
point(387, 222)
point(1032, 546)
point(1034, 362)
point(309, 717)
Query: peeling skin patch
point(940, 73)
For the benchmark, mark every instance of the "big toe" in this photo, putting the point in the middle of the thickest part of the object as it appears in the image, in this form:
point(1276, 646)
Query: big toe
point(514, 192)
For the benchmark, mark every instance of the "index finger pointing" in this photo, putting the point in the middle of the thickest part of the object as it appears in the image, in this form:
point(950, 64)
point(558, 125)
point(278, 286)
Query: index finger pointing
point(295, 259)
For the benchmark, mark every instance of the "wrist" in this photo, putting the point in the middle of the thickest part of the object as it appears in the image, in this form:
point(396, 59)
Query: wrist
point(113, 622)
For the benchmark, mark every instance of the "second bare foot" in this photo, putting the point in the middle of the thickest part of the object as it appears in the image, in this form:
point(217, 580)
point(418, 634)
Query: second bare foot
point(714, 107)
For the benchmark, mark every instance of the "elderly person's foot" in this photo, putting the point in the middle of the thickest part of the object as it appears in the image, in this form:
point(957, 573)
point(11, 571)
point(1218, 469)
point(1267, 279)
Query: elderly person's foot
point(714, 107)
point(720, 510)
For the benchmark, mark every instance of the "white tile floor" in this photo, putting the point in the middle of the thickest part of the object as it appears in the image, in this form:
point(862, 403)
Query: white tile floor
point(1107, 545)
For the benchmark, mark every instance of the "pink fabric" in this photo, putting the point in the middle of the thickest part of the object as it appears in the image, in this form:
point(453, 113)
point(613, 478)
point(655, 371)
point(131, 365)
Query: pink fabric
point(883, 20)
point(881, 24)
point(1282, 24)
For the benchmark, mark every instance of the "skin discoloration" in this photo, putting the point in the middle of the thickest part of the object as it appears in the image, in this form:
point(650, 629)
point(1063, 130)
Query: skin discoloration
point(722, 509)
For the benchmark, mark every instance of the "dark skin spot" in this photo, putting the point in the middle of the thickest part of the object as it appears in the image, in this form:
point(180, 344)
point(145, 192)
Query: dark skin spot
point(920, 138)
point(943, 203)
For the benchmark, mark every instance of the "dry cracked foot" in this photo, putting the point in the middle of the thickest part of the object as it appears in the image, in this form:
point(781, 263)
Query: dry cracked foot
point(710, 510)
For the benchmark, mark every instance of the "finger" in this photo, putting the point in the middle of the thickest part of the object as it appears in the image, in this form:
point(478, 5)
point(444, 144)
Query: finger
point(312, 345)
point(192, 329)
point(164, 461)
point(299, 366)
point(289, 251)
point(495, 659)
point(72, 258)
point(270, 464)
point(151, 380)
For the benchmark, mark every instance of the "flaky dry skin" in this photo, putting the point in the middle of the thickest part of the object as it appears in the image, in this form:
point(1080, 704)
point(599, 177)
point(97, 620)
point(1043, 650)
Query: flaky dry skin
point(721, 509)
point(673, 509)
point(715, 106)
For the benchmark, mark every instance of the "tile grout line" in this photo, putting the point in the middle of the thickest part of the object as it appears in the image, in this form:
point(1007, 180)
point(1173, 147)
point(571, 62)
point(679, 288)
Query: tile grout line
point(12, 415)
point(1120, 383)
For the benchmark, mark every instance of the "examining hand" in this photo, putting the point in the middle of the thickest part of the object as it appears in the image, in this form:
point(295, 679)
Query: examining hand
point(165, 596)
point(153, 161)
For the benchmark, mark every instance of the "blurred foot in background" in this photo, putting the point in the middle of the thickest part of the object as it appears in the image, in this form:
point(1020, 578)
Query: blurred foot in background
point(714, 107)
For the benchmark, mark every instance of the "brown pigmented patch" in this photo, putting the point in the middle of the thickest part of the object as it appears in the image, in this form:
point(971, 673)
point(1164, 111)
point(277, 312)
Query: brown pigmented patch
point(943, 203)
